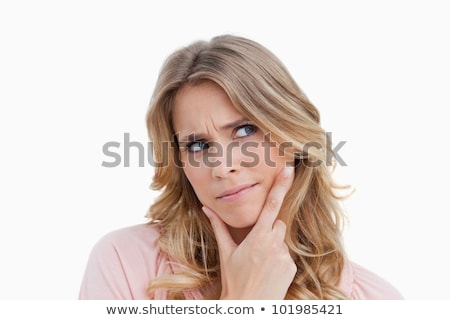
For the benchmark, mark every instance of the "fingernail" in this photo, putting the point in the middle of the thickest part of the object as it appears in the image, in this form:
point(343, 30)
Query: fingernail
point(206, 211)
point(287, 172)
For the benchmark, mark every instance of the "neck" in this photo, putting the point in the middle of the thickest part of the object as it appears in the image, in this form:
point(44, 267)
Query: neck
point(239, 234)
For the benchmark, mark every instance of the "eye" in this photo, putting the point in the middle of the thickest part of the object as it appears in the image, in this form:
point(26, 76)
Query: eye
point(245, 130)
point(196, 146)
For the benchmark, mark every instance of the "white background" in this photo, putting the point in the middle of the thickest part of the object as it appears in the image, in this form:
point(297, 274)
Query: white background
point(77, 74)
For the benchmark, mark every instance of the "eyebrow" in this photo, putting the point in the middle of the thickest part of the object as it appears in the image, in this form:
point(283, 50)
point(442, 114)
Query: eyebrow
point(200, 136)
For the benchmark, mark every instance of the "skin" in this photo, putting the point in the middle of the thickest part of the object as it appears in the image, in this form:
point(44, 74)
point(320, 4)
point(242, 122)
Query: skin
point(241, 201)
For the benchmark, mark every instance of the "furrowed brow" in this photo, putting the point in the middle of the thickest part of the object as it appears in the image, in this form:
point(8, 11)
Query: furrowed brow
point(200, 136)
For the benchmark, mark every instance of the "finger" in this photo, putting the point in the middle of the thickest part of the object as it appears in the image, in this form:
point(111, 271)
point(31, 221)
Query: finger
point(279, 229)
point(275, 199)
point(224, 240)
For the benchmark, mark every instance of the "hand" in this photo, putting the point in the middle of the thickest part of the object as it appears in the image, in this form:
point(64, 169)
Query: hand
point(260, 267)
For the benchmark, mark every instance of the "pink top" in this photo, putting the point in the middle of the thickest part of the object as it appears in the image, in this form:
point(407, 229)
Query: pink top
point(123, 262)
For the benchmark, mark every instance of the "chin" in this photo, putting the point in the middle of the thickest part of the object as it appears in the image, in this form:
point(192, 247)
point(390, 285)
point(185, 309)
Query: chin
point(241, 216)
point(241, 223)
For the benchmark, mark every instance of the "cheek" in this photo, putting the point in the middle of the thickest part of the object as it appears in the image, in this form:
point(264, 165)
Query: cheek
point(268, 158)
point(191, 167)
point(198, 180)
point(282, 156)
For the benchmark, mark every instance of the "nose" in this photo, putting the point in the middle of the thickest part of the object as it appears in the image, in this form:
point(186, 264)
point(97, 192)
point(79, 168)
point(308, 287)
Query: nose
point(225, 160)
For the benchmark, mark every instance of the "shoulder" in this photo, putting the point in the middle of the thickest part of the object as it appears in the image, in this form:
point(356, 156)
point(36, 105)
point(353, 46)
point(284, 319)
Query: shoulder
point(128, 243)
point(360, 283)
point(142, 235)
point(122, 263)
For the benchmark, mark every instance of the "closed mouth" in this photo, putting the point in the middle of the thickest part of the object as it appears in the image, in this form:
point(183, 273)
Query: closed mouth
point(235, 191)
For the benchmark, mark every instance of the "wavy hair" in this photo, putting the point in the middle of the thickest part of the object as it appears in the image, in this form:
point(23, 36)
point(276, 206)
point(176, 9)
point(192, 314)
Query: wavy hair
point(262, 89)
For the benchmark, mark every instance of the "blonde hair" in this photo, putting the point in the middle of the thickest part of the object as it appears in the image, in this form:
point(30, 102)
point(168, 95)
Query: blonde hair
point(262, 89)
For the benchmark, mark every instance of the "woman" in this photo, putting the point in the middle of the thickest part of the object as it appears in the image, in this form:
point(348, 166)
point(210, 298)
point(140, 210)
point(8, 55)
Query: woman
point(248, 208)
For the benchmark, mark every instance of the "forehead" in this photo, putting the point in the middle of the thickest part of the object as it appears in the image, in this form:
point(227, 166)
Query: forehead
point(199, 106)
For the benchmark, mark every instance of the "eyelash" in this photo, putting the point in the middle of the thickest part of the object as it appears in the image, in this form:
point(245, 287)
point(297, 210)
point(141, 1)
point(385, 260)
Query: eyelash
point(204, 143)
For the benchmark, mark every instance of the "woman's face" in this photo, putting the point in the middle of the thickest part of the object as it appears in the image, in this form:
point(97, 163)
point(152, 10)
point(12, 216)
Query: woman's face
point(226, 158)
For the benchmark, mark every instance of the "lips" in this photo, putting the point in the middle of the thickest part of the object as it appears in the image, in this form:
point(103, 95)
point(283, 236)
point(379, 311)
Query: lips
point(236, 192)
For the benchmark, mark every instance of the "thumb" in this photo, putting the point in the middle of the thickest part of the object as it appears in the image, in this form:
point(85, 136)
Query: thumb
point(224, 240)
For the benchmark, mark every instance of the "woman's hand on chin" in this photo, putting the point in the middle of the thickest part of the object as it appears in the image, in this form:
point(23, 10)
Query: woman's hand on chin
point(260, 267)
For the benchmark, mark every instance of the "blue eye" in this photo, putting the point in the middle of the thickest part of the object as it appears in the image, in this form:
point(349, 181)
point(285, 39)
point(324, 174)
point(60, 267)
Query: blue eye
point(245, 130)
point(196, 146)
